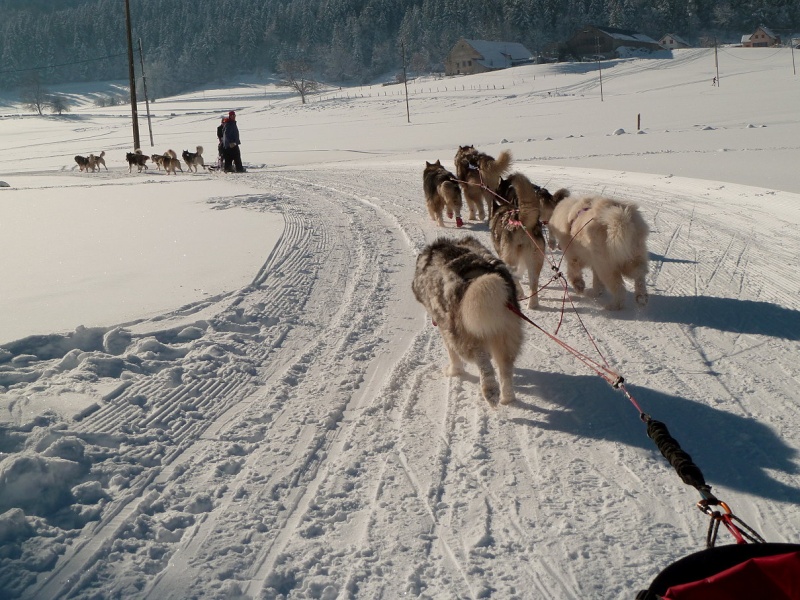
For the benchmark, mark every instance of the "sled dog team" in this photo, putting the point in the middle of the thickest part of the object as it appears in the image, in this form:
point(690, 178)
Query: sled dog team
point(168, 161)
point(472, 295)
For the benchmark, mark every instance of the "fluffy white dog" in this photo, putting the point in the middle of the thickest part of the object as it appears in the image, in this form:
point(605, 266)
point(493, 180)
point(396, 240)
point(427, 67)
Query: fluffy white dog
point(610, 237)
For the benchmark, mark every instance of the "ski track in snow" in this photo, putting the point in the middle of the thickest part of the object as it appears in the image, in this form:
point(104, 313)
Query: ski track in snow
point(311, 413)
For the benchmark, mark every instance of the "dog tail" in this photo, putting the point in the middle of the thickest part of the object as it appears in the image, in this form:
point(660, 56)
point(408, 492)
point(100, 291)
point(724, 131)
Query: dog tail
point(485, 312)
point(199, 149)
point(625, 230)
point(527, 199)
point(171, 153)
point(493, 170)
point(561, 194)
point(450, 190)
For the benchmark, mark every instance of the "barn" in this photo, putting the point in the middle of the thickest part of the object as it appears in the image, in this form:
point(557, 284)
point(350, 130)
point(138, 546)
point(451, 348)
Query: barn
point(479, 56)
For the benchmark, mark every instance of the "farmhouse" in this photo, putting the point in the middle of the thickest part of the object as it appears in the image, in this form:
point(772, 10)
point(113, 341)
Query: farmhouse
point(670, 41)
point(606, 41)
point(762, 38)
point(478, 56)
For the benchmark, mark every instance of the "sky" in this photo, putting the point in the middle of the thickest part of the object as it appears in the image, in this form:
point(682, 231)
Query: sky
point(221, 386)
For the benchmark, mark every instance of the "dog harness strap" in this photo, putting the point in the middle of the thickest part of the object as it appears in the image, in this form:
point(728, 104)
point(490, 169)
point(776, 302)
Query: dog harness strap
point(577, 214)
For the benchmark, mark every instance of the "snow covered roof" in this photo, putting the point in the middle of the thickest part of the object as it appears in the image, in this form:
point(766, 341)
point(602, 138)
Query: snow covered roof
point(768, 31)
point(500, 54)
point(676, 38)
point(627, 35)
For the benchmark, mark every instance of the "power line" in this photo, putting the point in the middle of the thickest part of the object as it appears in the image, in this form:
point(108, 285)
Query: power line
point(79, 62)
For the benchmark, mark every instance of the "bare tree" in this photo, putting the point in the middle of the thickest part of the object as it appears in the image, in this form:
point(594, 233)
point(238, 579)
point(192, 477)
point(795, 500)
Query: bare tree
point(296, 74)
point(58, 104)
point(34, 95)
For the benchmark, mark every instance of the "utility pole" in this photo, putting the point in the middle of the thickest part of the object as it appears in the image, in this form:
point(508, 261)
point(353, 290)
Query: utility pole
point(132, 77)
point(599, 68)
point(405, 82)
point(716, 59)
point(146, 101)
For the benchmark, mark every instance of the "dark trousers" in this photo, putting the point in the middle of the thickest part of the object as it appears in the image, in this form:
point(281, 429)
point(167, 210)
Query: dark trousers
point(233, 158)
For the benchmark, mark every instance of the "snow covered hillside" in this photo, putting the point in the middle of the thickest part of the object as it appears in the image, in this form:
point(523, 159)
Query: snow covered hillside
point(221, 386)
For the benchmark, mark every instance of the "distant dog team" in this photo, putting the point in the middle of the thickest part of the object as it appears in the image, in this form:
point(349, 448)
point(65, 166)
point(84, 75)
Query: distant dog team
point(168, 161)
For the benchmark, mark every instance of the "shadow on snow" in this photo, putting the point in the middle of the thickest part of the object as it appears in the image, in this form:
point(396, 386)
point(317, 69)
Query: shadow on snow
point(730, 450)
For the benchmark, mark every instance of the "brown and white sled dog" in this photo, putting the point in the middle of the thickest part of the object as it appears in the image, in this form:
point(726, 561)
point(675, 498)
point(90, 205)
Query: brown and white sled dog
point(467, 292)
point(171, 162)
point(98, 160)
point(192, 159)
point(158, 159)
point(610, 237)
point(475, 170)
point(441, 192)
point(516, 227)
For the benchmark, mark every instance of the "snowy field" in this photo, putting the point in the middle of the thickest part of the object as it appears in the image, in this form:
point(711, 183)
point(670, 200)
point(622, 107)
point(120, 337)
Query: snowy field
point(221, 386)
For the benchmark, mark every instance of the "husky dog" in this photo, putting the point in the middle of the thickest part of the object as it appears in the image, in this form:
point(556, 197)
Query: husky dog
point(468, 293)
point(610, 237)
point(136, 158)
point(516, 227)
point(83, 163)
point(98, 160)
point(192, 159)
point(441, 191)
point(158, 160)
point(479, 175)
point(171, 162)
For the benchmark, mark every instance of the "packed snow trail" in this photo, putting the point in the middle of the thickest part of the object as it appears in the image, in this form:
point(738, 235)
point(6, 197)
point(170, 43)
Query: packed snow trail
point(302, 442)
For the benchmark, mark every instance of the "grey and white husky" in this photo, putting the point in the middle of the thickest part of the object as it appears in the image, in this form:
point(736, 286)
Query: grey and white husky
point(469, 294)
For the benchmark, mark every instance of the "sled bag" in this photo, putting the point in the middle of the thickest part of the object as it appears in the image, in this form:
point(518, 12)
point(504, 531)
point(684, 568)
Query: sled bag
point(731, 572)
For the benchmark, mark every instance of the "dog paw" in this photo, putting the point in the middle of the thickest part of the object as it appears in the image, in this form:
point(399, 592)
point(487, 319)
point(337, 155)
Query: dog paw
point(508, 398)
point(453, 370)
point(533, 302)
point(641, 299)
point(491, 391)
point(616, 305)
point(579, 285)
point(459, 222)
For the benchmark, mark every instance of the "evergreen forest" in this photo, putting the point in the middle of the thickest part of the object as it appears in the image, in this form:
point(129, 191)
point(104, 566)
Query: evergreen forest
point(191, 43)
